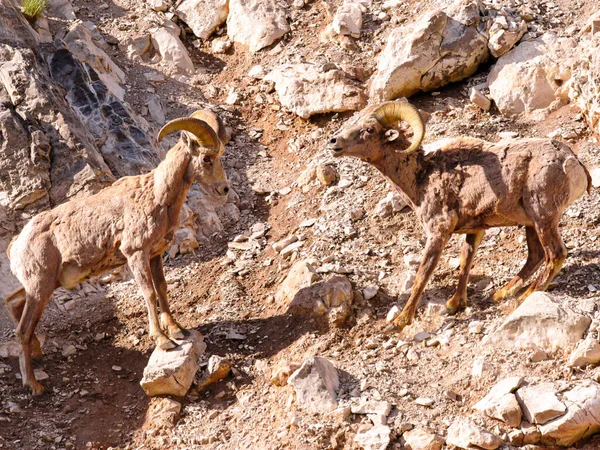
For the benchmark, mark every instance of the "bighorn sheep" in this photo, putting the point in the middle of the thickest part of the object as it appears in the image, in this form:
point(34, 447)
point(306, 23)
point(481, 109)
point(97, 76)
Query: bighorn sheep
point(130, 222)
point(466, 186)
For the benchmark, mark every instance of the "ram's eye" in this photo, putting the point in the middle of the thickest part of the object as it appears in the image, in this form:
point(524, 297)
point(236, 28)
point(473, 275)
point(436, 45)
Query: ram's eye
point(370, 130)
point(207, 159)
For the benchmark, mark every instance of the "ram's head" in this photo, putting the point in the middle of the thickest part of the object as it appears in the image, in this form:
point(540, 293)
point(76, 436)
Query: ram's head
point(376, 128)
point(204, 138)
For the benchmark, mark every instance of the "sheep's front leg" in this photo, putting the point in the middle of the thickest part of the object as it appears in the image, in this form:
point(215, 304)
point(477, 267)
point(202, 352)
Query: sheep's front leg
point(459, 299)
point(140, 266)
point(160, 284)
point(433, 250)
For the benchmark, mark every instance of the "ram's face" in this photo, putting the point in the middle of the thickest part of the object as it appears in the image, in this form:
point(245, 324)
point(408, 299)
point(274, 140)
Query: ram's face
point(206, 166)
point(362, 138)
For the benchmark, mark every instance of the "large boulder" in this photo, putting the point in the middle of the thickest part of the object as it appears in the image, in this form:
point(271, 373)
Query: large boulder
point(582, 417)
point(540, 322)
point(306, 89)
point(530, 80)
point(256, 23)
point(316, 383)
point(441, 48)
point(203, 16)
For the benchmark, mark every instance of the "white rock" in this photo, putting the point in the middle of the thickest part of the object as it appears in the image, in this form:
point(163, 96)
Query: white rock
point(465, 434)
point(256, 23)
point(158, 5)
point(316, 383)
point(257, 72)
point(393, 313)
point(221, 45)
point(441, 48)
point(422, 439)
point(172, 50)
point(528, 80)
point(500, 389)
point(424, 401)
point(586, 352)
point(539, 322)
point(348, 18)
point(203, 16)
point(301, 275)
point(171, 372)
point(377, 438)
point(379, 407)
point(582, 418)
point(503, 37)
point(477, 98)
point(305, 90)
point(584, 89)
point(280, 245)
point(392, 203)
point(155, 110)
point(539, 403)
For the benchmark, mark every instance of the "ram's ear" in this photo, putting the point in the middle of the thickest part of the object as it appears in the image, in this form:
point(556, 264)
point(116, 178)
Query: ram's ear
point(391, 135)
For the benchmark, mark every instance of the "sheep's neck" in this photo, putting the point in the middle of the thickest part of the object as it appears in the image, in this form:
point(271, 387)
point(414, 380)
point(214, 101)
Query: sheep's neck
point(402, 172)
point(171, 184)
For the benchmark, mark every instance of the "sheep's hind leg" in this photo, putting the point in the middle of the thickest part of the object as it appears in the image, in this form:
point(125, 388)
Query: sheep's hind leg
point(459, 299)
point(433, 250)
point(160, 284)
point(535, 257)
point(556, 253)
point(140, 266)
point(32, 312)
point(15, 303)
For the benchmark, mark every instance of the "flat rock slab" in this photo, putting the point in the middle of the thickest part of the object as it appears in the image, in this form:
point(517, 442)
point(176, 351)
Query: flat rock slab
point(540, 403)
point(316, 383)
point(500, 403)
point(540, 322)
point(581, 420)
point(171, 372)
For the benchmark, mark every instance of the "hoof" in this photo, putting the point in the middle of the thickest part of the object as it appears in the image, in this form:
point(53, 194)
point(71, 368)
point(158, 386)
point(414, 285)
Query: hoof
point(36, 388)
point(177, 334)
point(165, 344)
point(450, 311)
point(392, 329)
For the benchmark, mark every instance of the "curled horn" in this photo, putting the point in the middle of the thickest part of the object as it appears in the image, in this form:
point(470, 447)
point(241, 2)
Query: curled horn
point(215, 123)
point(390, 113)
point(205, 135)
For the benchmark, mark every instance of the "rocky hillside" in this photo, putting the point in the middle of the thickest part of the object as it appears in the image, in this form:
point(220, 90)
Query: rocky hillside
point(291, 281)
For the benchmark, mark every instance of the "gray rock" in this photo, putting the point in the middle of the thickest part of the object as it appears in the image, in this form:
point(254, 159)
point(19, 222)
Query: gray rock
point(316, 383)
point(441, 48)
point(463, 433)
point(540, 403)
point(540, 322)
point(256, 23)
point(305, 90)
point(582, 418)
point(171, 372)
point(477, 98)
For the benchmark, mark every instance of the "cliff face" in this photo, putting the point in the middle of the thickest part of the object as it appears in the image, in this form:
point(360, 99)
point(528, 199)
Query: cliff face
point(63, 133)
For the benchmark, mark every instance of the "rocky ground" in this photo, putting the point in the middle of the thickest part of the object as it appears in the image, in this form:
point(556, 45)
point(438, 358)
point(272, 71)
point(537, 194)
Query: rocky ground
point(283, 87)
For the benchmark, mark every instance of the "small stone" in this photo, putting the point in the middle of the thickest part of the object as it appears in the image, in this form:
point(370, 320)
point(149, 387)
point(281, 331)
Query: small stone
point(280, 245)
point(377, 438)
point(424, 401)
point(282, 371)
point(421, 336)
point(370, 291)
point(477, 98)
point(422, 439)
point(117, 368)
point(475, 327)
point(316, 383)
point(217, 369)
point(586, 352)
point(69, 350)
point(463, 433)
point(393, 313)
point(372, 407)
point(326, 174)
